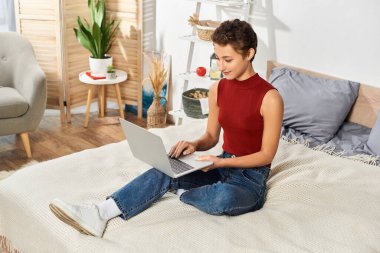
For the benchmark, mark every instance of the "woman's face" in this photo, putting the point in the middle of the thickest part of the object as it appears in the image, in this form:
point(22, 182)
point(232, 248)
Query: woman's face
point(232, 64)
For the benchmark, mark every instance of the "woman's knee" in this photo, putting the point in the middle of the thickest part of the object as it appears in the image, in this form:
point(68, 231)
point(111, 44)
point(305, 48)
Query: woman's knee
point(207, 199)
point(153, 172)
point(232, 206)
point(221, 200)
point(154, 175)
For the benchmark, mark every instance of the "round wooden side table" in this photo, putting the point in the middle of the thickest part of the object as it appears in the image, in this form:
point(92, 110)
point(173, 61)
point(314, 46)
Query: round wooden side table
point(121, 76)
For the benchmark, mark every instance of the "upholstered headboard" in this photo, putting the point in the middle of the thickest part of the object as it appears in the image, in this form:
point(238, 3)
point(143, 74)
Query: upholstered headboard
point(366, 106)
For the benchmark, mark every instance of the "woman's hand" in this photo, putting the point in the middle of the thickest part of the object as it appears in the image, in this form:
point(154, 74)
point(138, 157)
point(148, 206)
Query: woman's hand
point(182, 148)
point(214, 159)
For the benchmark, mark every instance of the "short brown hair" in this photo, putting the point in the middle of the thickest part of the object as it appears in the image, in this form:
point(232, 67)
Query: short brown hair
point(239, 34)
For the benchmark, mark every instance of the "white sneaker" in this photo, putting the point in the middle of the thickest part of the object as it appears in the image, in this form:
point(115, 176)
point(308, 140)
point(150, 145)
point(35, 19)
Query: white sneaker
point(84, 218)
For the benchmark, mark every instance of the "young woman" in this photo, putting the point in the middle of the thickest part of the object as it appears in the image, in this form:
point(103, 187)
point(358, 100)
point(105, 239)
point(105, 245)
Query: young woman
point(250, 112)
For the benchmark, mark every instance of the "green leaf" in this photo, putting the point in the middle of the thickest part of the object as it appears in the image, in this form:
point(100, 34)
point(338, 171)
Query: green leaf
point(100, 13)
point(87, 25)
point(91, 6)
point(97, 35)
point(84, 41)
point(112, 35)
point(106, 37)
point(82, 27)
point(85, 38)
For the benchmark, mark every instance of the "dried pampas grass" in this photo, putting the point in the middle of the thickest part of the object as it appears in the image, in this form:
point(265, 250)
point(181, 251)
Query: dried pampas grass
point(158, 75)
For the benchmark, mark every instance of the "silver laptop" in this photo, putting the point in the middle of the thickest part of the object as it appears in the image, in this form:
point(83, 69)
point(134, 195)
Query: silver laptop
point(149, 148)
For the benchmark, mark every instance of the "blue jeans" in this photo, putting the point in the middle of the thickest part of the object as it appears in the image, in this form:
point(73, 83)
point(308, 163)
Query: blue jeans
point(228, 191)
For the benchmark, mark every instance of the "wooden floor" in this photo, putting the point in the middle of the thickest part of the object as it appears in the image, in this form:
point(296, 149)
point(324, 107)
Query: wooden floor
point(52, 139)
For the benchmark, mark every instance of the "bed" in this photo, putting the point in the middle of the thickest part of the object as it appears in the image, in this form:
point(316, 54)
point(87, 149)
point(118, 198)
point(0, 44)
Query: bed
point(316, 202)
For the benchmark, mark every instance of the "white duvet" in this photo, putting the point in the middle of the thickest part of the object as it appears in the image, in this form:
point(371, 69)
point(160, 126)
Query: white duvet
point(315, 203)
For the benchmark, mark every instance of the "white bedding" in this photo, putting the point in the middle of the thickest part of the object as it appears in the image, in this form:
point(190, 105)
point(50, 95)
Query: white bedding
point(315, 203)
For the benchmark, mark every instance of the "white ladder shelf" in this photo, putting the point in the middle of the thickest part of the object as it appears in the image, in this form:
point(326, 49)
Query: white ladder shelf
point(189, 75)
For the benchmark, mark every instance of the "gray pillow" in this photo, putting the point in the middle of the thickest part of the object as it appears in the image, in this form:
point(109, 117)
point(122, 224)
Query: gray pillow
point(374, 137)
point(314, 106)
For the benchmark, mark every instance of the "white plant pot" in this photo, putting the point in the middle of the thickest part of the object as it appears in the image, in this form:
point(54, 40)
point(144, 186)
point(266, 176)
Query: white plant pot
point(99, 66)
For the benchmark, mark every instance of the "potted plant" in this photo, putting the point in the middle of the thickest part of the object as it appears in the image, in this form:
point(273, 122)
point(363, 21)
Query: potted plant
point(111, 73)
point(97, 36)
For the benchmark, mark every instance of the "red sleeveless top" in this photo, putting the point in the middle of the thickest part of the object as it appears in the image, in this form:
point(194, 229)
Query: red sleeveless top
point(239, 114)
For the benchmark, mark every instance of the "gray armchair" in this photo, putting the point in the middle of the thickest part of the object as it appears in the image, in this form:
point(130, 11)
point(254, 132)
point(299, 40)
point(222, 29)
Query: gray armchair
point(22, 88)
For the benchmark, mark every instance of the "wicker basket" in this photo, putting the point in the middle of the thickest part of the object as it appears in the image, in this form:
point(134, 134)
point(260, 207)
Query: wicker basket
point(192, 106)
point(205, 28)
point(205, 32)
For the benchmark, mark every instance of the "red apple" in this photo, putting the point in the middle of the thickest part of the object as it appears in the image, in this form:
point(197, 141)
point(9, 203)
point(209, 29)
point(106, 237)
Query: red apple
point(201, 71)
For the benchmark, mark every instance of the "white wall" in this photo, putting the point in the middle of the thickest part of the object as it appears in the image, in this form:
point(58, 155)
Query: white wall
point(339, 38)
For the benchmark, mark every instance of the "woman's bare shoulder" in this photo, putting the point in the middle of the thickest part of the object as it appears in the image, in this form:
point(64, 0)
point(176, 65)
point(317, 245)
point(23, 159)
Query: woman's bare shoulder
point(272, 101)
point(272, 96)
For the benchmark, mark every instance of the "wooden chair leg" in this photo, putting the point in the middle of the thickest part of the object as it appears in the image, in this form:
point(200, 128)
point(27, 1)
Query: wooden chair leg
point(25, 141)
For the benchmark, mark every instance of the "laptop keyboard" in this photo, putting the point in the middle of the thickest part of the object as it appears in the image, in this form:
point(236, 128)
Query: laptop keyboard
point(179, 166)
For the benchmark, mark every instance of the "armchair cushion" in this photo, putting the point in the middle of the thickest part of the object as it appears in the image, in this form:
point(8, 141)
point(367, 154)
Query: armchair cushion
point(19, 70)
point(12, 104)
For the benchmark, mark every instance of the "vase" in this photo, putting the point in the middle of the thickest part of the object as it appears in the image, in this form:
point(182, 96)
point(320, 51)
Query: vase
point(156, 115)
point(148, 93)
point(99, 66)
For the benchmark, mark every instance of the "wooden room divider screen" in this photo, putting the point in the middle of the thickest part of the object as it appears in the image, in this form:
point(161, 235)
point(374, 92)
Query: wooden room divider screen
point(48, 24)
